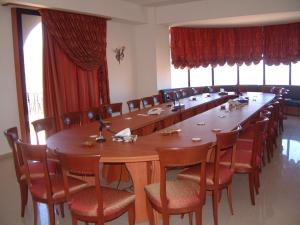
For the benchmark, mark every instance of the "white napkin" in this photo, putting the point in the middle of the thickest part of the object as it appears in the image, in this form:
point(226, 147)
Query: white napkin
point(124, 133)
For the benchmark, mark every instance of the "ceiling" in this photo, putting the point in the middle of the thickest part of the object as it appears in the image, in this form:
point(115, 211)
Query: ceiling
point(155, 3)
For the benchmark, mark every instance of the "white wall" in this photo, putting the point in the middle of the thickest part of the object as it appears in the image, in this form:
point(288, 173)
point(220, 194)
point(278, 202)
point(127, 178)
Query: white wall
point(8, 97)
point(121, 76)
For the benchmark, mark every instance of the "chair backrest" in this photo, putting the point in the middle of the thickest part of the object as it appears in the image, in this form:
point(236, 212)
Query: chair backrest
point(260, 128)
point(72, 118)
point(148, 101)
point(177, 94)
point(225, 141)
point(45, 124)
point(113, 108)
point(38, 154)
point(134, 105)
point(84, 166)
point(158, 99)
point(181, 157)
point(183, 93)
point(12, 136)
point(92, 113)
point(194, 91)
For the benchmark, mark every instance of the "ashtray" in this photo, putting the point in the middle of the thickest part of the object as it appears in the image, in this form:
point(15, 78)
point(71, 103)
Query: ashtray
point(170, 131)
point(216, 130)
point(196, 139)
point(87, 143)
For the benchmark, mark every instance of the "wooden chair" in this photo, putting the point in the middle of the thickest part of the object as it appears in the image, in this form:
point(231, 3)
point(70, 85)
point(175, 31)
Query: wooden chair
point(72, 118)
point(36, 168)
point(178, 196)
point(183, 93)
point(92, 113)
point(134, 105)
point(113, 108)
point(48, 189)
point(45, 124)
point(248, 157)
point(218, 176)
point(148, 102)
point(158, 99)
point(94, 204)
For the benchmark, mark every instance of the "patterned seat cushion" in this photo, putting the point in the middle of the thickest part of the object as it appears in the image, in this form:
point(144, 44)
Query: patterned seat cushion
point(225, 174)
point(85, 202)
point(39, 190)
point(36, 169)
point(180, 193)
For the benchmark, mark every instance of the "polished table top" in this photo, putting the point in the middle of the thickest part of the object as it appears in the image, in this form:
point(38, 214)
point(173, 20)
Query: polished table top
point(71, 140)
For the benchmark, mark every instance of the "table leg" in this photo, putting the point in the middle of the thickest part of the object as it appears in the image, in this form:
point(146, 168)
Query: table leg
point(139, 176)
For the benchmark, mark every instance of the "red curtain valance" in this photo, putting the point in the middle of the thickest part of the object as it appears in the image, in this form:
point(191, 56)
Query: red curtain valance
point(81, 37)
point(194, 47)
point(282, 44)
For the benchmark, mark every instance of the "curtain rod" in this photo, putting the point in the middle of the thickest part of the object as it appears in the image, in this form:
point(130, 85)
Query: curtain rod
point(36, 7)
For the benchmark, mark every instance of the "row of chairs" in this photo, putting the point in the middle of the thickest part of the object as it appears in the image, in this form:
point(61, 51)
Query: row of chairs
point(238, 151)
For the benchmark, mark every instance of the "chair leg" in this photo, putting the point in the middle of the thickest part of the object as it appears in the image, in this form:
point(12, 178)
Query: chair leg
point(24, 197)
point(150, 212)
point(191, 218)
point(257, 183)
point(34, 203)
point(165, 218)
point(215, 198)
point(74, 221)
point(62, 211)
point(229, 196)
point(251, 188)
point(131, 215)
point(51, 214)
point(198, 214)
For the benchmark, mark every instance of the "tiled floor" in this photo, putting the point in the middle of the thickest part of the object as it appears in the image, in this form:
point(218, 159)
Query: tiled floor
point(277, 204)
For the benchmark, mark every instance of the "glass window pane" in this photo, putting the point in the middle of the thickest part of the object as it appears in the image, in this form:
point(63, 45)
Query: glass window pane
point(277, 75)
point(179, 77)
point(225, 75)
point(201, 76)
point(252, 74)
point(296, 73)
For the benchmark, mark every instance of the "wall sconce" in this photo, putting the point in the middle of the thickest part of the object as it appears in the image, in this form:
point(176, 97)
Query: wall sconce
point(119, 53)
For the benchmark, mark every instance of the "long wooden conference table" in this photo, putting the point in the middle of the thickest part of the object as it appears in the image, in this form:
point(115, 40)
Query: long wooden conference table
point(196, 120)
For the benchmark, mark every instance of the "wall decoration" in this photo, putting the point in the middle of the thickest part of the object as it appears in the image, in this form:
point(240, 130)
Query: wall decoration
point(119, 53)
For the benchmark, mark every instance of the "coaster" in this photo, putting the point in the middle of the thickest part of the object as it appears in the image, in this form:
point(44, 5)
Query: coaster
point(87, 143)
point(128, 118)
point(201, 123)
point(221, 116)
point(93, 136)
point(196, 139)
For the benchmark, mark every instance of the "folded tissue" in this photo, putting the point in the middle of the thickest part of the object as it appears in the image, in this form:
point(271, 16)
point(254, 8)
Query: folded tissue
point(125, 136)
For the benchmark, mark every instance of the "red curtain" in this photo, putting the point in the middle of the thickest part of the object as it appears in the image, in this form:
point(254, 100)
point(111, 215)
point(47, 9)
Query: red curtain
point(194, 47)
point(282, 44)
point(74, 60)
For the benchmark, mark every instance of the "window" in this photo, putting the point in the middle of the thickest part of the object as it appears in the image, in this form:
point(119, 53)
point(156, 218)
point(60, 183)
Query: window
point(225, 75)
point(252, 74)
point(277, 75)
point(201, 77)
point(179, 77)
point(295, 73)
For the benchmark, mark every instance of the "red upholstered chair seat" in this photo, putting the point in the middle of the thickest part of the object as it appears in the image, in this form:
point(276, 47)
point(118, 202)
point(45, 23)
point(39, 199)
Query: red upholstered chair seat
point(39, 190)
point(85, 202)
point(36, 169)
point(193, 174)
point(180, 193)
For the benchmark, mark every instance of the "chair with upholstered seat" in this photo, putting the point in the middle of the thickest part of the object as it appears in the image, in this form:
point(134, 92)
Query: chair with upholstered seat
point(114, 108)
point(134, 105)
point(157, 99)
point(46, 124)
point(94, 204)
point(178, 196)
point(49, 188)
point(72, 119)
point(218, 176)
point(36, 168)
point(248, 157)
point(148, 102)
